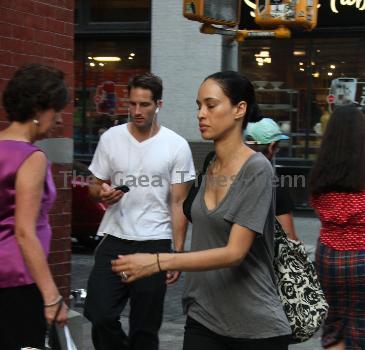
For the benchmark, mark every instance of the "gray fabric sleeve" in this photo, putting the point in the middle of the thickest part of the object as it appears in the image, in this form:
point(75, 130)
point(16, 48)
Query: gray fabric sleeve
point(252, 197)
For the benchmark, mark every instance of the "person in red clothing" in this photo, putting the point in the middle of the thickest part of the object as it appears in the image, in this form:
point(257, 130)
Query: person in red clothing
point(337, 186)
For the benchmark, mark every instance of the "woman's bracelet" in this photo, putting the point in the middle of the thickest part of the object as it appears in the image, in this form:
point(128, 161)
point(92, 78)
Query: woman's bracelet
point(56, 302)
point(158, 262)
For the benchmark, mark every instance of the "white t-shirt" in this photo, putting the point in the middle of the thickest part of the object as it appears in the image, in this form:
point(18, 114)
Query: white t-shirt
point(148, 168)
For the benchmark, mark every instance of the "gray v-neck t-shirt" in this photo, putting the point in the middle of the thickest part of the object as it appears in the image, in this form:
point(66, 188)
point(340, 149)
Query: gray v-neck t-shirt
point(239, 301)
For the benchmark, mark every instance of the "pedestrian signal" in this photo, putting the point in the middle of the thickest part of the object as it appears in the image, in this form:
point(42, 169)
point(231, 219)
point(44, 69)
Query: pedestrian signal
point(288, 13)
point(221, 12)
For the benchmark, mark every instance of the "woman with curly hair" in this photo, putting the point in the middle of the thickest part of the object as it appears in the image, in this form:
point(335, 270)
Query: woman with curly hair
point(338, 195)
point(33, 99)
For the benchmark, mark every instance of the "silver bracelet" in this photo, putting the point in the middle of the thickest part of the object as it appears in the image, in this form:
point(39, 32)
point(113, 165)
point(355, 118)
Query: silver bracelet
point(57, 301)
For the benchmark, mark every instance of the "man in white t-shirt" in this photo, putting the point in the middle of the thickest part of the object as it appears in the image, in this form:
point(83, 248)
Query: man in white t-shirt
point(156, 166)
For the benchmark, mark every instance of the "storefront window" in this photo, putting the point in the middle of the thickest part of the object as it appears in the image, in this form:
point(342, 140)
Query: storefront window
point(120, 10)
point(102, 71)
point(293, 80)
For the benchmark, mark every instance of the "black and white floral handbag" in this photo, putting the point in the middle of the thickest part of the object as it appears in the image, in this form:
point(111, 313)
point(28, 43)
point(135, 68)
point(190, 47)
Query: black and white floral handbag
point(299, 289)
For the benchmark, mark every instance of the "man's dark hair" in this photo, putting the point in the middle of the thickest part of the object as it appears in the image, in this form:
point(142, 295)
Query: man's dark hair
point(340, 166)
point(147, 81)
point(34, 88)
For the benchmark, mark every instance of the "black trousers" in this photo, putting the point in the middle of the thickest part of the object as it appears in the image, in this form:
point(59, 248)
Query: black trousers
point(22, 321)
point(107, 296)
point(198, 337)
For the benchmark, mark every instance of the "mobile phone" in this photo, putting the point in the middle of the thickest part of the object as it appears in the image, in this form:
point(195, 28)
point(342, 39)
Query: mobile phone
point(122, 188)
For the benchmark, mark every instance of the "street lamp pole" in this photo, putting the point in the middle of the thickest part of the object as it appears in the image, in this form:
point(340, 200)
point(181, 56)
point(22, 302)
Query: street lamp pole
point(229, 54)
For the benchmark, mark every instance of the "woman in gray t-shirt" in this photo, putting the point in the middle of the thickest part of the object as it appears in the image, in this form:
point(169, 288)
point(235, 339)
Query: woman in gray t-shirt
point(230, 296)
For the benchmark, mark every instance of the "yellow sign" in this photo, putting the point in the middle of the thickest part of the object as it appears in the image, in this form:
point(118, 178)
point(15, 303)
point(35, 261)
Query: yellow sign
point(359, 4)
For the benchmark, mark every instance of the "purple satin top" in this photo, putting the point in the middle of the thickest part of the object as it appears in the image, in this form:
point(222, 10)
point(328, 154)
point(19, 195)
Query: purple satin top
point(13, 271)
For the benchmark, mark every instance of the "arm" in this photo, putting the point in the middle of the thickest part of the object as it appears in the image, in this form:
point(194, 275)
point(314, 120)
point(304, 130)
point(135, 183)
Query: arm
point(286, 221)
point(141, 265)
point(178, 194)
point(102, 191)
point(29, 189)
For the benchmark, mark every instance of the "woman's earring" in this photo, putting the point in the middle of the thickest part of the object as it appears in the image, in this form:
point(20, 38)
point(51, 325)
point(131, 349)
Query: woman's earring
point(36, 121)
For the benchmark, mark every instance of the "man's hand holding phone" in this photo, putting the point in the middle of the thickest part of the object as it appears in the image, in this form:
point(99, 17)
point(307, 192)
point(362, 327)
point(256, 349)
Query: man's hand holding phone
point(110, 195)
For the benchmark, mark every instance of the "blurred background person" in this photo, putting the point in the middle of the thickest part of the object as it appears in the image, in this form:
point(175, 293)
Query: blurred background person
point(264, 136)
point(33, 100)
point(337, 185)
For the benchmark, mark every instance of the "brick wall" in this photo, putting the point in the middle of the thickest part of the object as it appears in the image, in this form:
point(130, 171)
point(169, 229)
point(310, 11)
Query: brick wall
point(42, 32)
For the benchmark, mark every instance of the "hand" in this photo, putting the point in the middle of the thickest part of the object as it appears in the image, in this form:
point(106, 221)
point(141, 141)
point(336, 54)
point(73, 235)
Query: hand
point(172, 276)
point(50, 313)
point(135, 266)
point(109, 195)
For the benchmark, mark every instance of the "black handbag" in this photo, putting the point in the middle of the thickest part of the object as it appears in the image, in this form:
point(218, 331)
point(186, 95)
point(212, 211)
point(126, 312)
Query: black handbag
point(194, 189)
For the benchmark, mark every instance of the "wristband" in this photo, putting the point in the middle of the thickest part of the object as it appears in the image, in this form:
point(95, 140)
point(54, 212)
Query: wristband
point(158, 262)
point(56, 302)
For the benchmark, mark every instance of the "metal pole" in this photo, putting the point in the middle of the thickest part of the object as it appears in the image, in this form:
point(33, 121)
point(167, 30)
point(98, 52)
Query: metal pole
point(229, 54)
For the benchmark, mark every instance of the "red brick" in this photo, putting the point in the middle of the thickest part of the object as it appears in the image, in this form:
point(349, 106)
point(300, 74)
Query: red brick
point(44, 10)
point(62, 281)
point(55, 26)
point(70, 4)
point(62, 268)
point(61, 207)
point(24, 6)
point(68, 131)
point(23, 33)
point(69, 29)
point(61, 231)
point(63, 244)
point(64, 15)
point(10, 16)
point(6, 58)
point(7, 72)
point(3, 124)
point(6, 29)
point(44, 37)
point(52, 51)
point(34, 21)
point(32, 48)
point(63, 41)
point(11, 44)
point(20, 60)
point(68, 55)
point(59, 257)
point(59, 219)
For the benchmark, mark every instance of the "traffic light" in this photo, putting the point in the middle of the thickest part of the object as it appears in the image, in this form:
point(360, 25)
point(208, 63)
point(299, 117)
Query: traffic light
point(221, 12)
point(299, 14)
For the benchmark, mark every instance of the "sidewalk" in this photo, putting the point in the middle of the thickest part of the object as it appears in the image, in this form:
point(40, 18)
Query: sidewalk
point(171, 333)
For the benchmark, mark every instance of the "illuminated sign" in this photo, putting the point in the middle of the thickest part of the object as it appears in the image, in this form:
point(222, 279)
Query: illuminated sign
point(331, 14)
point(359, 4)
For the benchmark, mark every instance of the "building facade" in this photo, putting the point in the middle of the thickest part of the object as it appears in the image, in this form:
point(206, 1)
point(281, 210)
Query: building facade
point(293, 77)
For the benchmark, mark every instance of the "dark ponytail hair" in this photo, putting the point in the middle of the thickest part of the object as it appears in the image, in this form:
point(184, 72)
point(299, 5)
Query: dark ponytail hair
point(238, 88)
